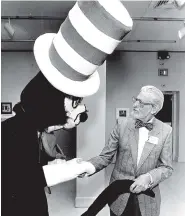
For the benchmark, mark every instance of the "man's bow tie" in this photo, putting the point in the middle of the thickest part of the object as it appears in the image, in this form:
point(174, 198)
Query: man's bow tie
point(139, 124)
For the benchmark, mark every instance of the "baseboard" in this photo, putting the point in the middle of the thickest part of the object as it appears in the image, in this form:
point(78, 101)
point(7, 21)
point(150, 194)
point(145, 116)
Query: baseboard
point(84, 202)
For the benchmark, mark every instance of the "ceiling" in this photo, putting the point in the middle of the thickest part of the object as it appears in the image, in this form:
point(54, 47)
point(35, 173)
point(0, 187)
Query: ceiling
point(153, 35)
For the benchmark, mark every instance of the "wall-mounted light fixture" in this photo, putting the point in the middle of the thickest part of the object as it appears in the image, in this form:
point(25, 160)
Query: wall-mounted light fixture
point(9, 29)
point(181, 32)
point(162, 55)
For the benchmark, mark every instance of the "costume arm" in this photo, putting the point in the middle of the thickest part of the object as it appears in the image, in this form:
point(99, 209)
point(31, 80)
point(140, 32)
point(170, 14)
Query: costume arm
point(65, 171)
point(164, 169)
point(107, 196)
point(110, 194)
point(100, 201)
point(108, 152)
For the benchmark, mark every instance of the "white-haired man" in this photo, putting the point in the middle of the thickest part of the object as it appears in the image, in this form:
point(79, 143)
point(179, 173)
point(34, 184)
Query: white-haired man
point(144, 154)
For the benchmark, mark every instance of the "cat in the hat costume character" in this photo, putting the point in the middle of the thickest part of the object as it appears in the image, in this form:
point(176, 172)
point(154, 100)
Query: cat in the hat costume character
point(68, 63)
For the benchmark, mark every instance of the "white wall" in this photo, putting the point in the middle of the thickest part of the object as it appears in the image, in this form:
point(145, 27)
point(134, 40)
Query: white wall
point(128, 72)
point(17, 69)
point(90, 141)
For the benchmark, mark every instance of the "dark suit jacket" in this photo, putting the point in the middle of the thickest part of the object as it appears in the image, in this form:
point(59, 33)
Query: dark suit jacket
point(156, 159)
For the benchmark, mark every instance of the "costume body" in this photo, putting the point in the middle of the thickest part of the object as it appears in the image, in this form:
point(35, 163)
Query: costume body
point(111, 193)
point(156, 159)
point(23, 179)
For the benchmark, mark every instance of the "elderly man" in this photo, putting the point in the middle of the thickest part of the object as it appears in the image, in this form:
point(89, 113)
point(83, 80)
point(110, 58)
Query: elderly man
point(144, 154)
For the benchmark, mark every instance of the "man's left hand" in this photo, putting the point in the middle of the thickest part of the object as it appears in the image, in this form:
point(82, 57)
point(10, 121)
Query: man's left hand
point(140, 184)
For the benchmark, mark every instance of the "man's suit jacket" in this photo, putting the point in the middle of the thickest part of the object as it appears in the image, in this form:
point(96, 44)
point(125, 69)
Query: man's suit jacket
point(156, 159)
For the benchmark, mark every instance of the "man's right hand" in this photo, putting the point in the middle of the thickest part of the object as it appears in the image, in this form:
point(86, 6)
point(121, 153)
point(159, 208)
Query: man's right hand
point(83, 175)
point(90, 169)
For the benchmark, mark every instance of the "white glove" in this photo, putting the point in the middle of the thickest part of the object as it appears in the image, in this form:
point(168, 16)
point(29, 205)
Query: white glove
point(83, 167)
point(62, 171)
point(57, 161)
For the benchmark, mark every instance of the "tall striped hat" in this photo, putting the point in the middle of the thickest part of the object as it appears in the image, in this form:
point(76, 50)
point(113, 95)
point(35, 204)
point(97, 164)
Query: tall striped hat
point(91, 31)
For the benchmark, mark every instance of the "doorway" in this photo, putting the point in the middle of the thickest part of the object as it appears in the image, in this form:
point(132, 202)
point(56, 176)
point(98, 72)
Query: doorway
point(170, 115)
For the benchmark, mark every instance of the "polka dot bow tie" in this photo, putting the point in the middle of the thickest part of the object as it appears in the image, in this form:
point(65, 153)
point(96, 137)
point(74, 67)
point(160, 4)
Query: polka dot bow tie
point(139, 124)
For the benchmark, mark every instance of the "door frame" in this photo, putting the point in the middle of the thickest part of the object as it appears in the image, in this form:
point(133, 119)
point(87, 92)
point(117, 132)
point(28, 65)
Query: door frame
point(175, 123)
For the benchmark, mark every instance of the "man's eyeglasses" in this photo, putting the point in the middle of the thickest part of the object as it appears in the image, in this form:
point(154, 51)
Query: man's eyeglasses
point(141, 103)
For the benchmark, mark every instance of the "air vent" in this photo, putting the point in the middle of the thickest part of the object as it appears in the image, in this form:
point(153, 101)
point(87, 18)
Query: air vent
point(168, 4)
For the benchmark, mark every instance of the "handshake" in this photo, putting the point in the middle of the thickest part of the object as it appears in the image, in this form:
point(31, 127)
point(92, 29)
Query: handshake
point(59, 171)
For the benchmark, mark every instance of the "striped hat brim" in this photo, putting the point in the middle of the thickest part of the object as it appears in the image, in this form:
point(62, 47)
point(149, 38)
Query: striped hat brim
point(61, 82)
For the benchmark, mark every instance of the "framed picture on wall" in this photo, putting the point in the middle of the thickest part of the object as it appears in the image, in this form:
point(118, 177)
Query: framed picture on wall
point(6, 110)
point(122, 113)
